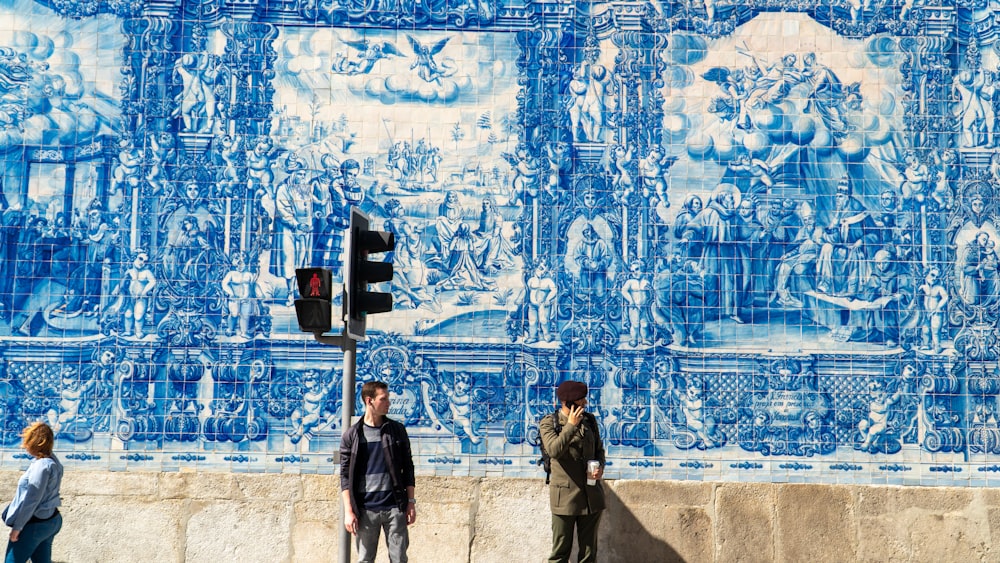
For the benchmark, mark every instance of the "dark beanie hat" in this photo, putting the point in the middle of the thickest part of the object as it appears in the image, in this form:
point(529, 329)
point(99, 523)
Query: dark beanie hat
point(571, 391)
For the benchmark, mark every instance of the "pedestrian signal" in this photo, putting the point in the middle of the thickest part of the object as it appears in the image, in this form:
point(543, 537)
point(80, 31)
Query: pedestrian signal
point(313, 308)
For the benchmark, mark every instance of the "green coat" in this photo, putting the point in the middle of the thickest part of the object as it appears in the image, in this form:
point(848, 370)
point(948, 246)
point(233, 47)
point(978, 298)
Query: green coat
point(570, 451)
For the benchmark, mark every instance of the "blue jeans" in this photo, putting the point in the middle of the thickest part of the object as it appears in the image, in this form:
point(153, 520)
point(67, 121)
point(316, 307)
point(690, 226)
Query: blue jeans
point(35, 542)
point(397, 536)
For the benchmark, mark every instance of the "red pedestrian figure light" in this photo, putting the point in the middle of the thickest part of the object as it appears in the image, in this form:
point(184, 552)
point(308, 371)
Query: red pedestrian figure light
point(314, 285)
point(312, 309)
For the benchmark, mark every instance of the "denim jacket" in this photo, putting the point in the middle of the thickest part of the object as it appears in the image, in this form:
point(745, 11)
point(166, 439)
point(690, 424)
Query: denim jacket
point(37, 493)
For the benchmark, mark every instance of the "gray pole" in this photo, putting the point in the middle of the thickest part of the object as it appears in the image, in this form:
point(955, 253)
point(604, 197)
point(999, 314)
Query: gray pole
point(350, 347)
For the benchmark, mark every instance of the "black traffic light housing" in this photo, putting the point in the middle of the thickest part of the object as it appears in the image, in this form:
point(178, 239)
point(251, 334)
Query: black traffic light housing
point(313, 308)
point(359, 272)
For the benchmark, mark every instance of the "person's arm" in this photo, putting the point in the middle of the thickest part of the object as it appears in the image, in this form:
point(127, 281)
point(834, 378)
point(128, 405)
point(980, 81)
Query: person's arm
point(552, 291)
point(350, 519)
point(411, 506)
point(346, 444)
point(556, 444)
point(406, 468)
point(150, 282)
point(943, 297)
point(284, 208)
point(227, 287)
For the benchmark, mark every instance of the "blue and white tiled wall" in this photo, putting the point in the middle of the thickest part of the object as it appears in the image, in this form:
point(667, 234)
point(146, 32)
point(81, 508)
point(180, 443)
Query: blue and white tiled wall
point(763, 232)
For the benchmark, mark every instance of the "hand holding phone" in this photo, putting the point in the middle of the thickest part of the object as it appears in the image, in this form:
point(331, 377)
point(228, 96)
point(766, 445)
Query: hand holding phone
point(575, 415)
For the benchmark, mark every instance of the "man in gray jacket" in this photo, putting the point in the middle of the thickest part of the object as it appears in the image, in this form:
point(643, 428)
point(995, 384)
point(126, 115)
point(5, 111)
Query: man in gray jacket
point(572, 439)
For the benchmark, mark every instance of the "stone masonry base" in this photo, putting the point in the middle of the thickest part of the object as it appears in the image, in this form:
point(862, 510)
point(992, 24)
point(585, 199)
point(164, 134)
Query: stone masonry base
point(270, 518)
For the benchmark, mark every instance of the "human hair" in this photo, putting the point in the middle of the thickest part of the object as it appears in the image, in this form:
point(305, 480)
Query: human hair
point(38, 439)
point(371, 388)
point(689, 202)
point(349, 164)
point(392, 205)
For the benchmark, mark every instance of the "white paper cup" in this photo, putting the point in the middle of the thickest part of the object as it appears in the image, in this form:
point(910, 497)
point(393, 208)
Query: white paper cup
point(592, 467)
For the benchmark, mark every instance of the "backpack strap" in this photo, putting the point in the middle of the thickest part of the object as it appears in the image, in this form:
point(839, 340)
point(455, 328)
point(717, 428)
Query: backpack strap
point(546, 460)
point(591, 421)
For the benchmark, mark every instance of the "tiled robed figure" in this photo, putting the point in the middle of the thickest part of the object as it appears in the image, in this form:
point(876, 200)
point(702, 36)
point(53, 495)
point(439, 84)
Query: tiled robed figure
point(754, 232)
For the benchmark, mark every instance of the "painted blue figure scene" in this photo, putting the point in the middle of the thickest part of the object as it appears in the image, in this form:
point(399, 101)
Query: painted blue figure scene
point(753, 233)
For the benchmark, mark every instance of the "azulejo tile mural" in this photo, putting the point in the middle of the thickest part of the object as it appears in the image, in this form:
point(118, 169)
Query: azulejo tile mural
point(764, 233)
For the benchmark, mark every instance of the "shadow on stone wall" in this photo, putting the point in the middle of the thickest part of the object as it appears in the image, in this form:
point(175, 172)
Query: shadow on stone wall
point(625, 538)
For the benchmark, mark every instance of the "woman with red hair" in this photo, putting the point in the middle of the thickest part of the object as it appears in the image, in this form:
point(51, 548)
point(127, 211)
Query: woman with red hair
point(33, 515)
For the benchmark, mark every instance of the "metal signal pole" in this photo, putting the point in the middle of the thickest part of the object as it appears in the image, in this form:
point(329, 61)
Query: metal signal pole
point(347, 386)
point(358, 301)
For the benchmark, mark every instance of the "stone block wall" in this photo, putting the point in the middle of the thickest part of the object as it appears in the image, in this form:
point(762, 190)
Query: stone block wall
point(246, 518)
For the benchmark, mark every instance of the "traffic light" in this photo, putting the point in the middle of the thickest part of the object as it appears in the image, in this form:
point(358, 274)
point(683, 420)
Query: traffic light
point(313, 305)
point(359, 271)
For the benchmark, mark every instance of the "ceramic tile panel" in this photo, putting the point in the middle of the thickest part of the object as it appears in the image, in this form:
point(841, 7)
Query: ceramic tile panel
point(763, 233)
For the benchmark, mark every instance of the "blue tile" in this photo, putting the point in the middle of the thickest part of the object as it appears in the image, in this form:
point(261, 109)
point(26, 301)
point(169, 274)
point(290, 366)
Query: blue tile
point(768, 261)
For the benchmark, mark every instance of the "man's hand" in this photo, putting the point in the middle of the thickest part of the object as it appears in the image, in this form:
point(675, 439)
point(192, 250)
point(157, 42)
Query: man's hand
point(575, 415)
point(14, 535)
point(350, 521)
point(411, 513)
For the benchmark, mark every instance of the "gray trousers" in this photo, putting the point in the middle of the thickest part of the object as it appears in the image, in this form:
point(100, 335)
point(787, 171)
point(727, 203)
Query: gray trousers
point(370, 525)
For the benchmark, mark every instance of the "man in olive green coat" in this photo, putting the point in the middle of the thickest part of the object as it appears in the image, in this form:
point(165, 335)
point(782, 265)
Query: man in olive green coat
point(573, 502)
